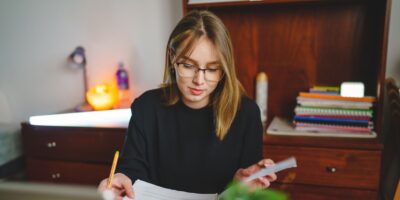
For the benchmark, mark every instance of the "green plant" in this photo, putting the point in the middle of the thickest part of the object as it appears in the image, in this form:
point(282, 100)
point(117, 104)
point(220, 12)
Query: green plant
point(238, 191)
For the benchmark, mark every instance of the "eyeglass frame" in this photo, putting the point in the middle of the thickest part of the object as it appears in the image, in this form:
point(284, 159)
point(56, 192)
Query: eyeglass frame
point(176, 64)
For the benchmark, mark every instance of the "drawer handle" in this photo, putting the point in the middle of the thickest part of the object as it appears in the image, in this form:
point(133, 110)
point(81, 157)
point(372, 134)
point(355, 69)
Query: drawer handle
point(55, 176)
point(331, 169)
point(51, 144)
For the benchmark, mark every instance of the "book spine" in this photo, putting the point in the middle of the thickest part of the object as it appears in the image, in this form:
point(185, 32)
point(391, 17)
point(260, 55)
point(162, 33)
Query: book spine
point(337, 116)
point(325, 119)
point(332, 111)
point(326, 127)
point(315, 102)
point(332, 121)
point(337, 97)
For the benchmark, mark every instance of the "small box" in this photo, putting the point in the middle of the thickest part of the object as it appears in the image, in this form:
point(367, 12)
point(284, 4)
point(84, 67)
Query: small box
point(352, 89)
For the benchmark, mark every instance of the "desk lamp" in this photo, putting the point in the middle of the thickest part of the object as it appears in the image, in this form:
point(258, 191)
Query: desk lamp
point(78, 59)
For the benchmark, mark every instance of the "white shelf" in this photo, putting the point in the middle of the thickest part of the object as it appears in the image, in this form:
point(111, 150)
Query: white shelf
point(118, 118)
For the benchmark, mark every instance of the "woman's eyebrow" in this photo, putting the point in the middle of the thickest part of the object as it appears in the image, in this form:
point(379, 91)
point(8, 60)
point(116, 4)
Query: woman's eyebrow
point(194, 61)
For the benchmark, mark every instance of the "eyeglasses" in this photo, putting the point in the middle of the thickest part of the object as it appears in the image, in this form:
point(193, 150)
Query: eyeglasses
point(190, 70)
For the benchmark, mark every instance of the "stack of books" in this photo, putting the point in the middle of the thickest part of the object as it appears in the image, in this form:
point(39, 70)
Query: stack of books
point(324, 110)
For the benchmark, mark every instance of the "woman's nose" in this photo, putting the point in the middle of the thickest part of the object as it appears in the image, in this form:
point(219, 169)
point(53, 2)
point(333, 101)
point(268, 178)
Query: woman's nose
point(199, 77)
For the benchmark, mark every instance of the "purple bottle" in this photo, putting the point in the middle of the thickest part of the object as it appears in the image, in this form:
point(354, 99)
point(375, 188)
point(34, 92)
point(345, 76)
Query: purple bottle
point(122, 77)
point(123, 87)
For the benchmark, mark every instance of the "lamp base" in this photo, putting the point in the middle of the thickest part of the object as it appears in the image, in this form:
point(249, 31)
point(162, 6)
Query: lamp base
point(84, 107)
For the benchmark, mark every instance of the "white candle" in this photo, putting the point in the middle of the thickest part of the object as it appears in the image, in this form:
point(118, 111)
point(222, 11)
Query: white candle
point(262, 95)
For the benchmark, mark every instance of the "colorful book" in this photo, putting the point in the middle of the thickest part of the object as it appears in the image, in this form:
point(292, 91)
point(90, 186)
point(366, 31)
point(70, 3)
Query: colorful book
point(333, 90)
point(338, 121)
point(316, 102)
point(330, 128)
point(336, 97)
point(320, 123)
point(308, 110)
point(281, 126)
point(326, 88)
point(338, 117)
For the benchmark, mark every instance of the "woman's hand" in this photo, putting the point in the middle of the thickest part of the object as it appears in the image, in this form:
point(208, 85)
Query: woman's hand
point(121, 186)
point(262, 182)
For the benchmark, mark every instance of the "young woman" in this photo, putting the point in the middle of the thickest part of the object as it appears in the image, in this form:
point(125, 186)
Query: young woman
point(198, 131)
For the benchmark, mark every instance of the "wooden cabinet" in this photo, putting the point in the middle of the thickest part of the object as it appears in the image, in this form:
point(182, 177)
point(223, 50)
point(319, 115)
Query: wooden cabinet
point(299, 44)
point(70, 154)
point(326, 193)
point(327, 172)
point(330, 167)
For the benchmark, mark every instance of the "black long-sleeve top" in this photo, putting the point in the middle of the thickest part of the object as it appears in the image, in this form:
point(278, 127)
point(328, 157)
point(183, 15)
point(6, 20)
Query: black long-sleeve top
point(176, 146)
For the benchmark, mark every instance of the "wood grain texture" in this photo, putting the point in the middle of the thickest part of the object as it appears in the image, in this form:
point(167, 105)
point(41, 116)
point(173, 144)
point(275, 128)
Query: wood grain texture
point(310, 192)
point(300, 44)
point(72, 143)
point(329, 167)
point(325, 142)
point(390, 175)
point(66, 172)
point(252, 3)
point(73, 155)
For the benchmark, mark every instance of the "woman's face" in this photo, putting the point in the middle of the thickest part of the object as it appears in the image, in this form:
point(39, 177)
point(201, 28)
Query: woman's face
point(196, 85)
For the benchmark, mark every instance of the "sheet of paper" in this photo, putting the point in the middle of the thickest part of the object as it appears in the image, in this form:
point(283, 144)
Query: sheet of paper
point(148, 191)
point(279, 166)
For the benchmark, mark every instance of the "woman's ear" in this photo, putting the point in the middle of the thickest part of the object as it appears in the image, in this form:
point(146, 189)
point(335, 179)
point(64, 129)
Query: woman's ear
point(171, 53)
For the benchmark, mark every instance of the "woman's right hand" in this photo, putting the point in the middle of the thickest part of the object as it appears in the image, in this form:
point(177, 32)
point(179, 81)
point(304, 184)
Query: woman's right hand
point(121, 186)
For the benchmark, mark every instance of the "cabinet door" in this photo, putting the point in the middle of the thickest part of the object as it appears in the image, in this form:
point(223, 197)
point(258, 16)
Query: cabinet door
point(328, 167)
point(72, 144)
point(66, 172)
point(309, 192)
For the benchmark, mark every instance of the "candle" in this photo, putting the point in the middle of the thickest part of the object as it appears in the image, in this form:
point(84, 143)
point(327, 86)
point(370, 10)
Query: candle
point(262, 95)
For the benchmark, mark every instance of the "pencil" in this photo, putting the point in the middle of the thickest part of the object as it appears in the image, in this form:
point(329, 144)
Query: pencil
point(114, 165)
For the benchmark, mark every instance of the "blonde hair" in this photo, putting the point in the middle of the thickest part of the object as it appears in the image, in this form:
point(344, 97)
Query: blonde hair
point(227, 96)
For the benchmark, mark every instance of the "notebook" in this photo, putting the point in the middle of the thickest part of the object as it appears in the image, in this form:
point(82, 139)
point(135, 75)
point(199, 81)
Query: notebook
point(317, 102)
point(337, 97)
point(308, 110)
point(334, 121)
point(281, 126)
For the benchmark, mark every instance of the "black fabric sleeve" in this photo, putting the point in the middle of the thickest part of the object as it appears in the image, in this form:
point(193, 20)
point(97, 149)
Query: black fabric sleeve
point(133, 161)
point(252, 141)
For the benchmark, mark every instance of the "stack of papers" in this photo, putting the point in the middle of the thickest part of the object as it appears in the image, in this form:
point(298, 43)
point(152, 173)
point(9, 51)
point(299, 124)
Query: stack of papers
point(148, 191)
point(281, 126)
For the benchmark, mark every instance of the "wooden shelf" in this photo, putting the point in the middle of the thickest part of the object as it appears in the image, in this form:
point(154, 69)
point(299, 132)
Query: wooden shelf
point(324, 142)
point(299, 44)
point(302, 45)
point(262, 2)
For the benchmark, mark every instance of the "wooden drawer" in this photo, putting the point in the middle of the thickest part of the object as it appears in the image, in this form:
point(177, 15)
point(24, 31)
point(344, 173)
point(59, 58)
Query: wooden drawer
point(297, 191)
point(66, 172)
point(328, 167)
point(72, 144)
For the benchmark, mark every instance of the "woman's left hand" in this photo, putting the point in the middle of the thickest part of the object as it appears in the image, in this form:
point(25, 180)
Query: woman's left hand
point(262, 182)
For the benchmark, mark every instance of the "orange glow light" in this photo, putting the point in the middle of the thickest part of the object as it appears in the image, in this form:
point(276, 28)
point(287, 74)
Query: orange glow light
point(102, 96)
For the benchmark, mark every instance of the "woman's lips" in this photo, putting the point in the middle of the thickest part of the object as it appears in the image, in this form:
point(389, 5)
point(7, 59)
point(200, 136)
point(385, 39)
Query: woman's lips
point(195, 91)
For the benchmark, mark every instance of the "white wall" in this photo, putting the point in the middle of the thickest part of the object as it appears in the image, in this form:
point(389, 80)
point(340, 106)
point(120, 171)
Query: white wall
point(36, 36)
point(393, 55)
